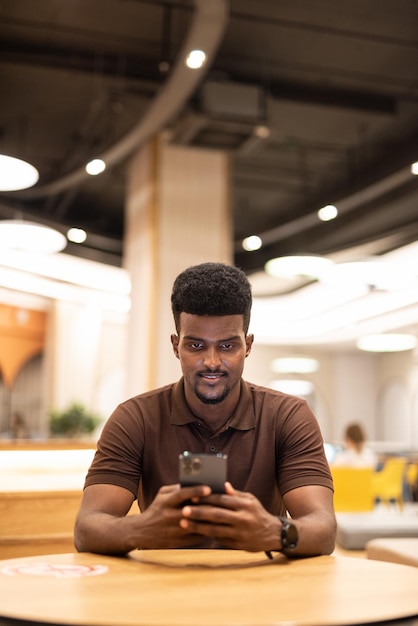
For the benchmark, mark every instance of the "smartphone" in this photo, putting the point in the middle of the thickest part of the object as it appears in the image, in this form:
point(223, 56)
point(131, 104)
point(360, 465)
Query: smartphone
point(203, 469)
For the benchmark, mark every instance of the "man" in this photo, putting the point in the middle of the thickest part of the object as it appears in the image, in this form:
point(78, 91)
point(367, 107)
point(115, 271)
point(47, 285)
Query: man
point(276, 461)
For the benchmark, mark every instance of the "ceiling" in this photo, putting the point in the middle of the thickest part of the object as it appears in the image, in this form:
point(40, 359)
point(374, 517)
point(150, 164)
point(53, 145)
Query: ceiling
point(334, 88)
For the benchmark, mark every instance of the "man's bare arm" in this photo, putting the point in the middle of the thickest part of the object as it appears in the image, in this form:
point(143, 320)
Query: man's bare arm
point(311, 509)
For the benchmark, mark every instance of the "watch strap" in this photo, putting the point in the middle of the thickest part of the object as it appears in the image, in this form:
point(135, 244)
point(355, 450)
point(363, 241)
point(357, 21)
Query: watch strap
point(288, 536)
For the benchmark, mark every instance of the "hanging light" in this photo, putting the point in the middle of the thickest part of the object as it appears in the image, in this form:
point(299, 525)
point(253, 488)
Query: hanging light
point(299, 265)
point(16, 174)
point(30, 237)
point(373, 273)
point(295, 365)
point(387, 342)
point(295, 387)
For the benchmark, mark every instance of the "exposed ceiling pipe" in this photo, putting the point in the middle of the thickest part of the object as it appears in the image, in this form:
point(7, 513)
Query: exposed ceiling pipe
point(206, 32)
point(345, 204)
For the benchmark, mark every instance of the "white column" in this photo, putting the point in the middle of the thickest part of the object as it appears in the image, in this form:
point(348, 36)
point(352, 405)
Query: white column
point(73, 352)
point(177, 215)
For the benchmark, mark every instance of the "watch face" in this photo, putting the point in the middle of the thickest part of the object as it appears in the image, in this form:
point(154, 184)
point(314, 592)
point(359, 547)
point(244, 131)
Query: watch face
point(289, 535)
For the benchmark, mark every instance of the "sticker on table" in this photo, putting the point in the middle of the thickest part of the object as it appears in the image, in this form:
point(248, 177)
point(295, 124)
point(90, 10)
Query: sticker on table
point(54, 570)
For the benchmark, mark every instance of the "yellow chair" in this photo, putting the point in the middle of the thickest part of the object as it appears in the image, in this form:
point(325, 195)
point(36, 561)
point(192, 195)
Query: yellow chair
point(411, 477)
point(388, 484)
point(353, 490)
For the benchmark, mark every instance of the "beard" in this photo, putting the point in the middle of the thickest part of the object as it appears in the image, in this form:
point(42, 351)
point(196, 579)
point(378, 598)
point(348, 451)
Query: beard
point(217, 400)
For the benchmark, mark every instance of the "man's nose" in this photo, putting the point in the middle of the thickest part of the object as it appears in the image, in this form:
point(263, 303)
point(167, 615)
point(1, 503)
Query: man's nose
point(212, 358)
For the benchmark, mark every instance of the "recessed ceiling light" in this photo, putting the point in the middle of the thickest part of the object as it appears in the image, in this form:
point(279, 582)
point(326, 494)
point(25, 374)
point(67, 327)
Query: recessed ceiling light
point(76, 235)
point(30, 237)
point(251, 243)
point(414, 168)
point(195, 59)
point(96, 166)
point(387, 342)
point(328, 213)
point(16, 174)
point(303, 265)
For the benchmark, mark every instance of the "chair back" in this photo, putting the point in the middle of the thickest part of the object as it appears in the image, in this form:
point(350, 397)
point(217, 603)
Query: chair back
point(388, 483)
point(411, 476)
point(352, 488)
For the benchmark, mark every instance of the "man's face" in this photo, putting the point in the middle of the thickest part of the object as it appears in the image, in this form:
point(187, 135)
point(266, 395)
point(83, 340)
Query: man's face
point(212, 351)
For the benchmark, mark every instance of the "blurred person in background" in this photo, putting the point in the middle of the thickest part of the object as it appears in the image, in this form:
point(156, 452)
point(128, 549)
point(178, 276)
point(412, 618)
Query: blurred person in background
point(355, 453)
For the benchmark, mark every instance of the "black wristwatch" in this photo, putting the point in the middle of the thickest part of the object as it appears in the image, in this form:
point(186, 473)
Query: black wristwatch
point(288, 536)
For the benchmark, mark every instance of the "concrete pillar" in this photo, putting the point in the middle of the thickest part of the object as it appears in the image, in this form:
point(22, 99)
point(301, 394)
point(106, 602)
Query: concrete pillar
point(177, 215)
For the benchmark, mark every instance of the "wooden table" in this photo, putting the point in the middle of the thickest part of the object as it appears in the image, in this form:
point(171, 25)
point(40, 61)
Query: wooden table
point(205, 587)
point(394, 549)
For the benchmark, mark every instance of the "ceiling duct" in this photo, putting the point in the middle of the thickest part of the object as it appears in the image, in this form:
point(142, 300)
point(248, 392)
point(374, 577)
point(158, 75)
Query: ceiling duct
point(226, 117)
point(206, 32)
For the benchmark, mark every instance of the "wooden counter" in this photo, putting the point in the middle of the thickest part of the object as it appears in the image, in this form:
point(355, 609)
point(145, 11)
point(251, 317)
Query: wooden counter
point(41, 484)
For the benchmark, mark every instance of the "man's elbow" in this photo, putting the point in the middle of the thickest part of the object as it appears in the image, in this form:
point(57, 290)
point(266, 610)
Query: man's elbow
point(330, 536)
point(81, 543)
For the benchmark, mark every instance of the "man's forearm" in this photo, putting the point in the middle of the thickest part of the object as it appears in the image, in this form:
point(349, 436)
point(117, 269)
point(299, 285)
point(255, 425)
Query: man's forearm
point(106, 534)
point(316, 535)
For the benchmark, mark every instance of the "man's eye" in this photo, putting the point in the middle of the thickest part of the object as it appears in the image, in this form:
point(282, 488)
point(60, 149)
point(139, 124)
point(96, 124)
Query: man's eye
point(196, 345)
point(226, 346)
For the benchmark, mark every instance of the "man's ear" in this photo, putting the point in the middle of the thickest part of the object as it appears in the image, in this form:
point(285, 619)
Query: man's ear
point(248, 342)
point(175, 344)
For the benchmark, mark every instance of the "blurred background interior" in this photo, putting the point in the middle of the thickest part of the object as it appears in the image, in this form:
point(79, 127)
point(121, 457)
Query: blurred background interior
point(286, 144)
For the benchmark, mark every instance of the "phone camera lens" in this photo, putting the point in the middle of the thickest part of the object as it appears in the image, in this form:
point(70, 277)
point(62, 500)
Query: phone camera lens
point(196, 464)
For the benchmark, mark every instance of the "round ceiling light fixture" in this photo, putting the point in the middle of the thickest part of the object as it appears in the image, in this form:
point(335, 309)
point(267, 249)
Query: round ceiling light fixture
point(30, 237)
point(301, 388)
point(295, 365)
point(307, 266)
point(16, 174)
point(373, 273)
point(387, 342)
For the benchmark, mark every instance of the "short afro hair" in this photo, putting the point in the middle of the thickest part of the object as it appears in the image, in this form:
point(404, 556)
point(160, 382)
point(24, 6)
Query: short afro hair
point(212, 289)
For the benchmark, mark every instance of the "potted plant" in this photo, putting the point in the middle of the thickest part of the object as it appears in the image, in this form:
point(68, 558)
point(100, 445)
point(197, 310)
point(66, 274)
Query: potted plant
point(74, 421)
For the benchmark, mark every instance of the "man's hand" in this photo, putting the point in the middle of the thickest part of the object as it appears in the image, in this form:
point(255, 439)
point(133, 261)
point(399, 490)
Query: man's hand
point(160, 523)
point(103, 526)
point(235, 519)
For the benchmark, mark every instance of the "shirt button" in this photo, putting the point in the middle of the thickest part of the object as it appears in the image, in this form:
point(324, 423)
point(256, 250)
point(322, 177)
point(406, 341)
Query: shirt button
point(212, 448)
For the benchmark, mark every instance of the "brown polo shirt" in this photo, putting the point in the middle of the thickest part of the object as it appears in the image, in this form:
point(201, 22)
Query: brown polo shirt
point(272, 440)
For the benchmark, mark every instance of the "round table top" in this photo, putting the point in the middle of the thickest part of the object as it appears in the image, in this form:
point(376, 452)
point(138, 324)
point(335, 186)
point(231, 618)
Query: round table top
point(204, 588)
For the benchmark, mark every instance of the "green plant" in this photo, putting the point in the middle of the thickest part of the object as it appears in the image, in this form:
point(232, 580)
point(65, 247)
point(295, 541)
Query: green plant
point(72, 421)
